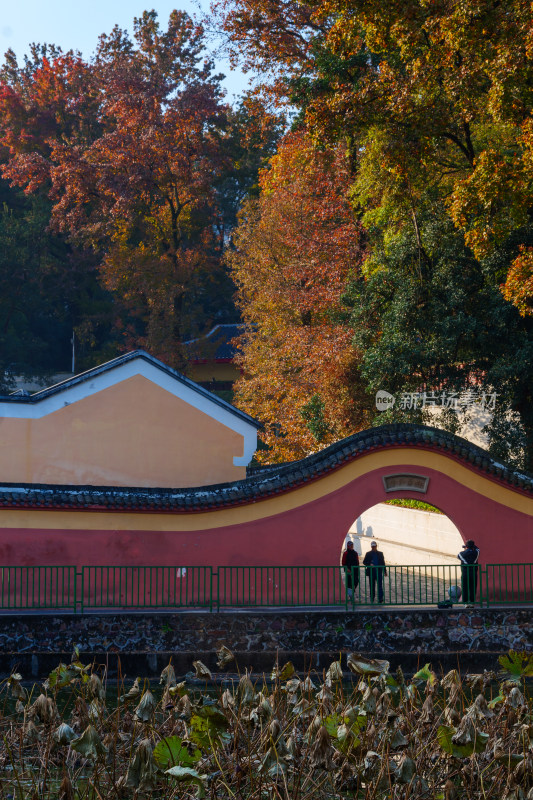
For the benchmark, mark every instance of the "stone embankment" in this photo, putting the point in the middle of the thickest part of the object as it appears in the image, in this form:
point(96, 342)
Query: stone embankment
point(142, 644)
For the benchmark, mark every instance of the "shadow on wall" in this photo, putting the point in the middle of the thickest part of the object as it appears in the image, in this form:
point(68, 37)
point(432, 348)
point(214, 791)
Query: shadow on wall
point(358, 533)
point(406, 536)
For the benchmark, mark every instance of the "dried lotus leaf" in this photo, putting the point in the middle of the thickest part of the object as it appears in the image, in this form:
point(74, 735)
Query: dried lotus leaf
point(187, 775)
point(479, 710)
point(245, 691)
point(224, 657)
point(334, 673)
point(145, 710)
point(406, 769)
point(63, 734)
point(44, 708)
point(227, 700)
point(516, 698)
point(398, 740)
point(321, 750)
point(168, 676)
point(17, 691)
point(142, 772)
point(89, 744)
point(367, 666)
point(31, 734)
point(201, 671)
point(451, 679)
point(466, 732)
point(95, 688)
point(135, 689)
point(66, 790)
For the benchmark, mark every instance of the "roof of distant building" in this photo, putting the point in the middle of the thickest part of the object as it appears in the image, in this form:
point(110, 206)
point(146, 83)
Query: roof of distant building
point(217, 345)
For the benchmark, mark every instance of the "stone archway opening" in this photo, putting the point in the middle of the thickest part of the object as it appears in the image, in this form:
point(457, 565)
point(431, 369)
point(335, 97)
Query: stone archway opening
point(408, 532)
point(420, 544)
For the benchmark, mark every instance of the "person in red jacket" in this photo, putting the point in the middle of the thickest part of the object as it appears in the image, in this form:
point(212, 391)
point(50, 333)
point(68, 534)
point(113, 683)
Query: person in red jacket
point(350, 562)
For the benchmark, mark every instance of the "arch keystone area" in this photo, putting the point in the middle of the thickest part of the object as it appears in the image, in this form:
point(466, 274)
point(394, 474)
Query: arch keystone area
point(296, 514)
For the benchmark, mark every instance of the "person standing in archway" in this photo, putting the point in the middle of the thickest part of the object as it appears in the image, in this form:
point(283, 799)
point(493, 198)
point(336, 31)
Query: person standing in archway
point(350, 562)
point(469, 568)
point(374, 562)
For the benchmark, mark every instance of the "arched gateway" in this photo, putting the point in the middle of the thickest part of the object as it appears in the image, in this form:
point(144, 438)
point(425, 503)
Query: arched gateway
point(291, 515)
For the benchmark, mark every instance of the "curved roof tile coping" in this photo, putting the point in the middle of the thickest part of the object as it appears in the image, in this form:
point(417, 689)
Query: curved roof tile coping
point(274, 481)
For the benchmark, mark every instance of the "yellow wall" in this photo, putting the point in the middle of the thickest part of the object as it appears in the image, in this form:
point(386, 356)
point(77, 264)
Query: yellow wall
point(134, 433)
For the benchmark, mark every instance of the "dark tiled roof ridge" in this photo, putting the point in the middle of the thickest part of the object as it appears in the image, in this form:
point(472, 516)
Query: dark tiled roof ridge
point(214, 329)
point(117, 362)
point(260, 486)
point(216, 345)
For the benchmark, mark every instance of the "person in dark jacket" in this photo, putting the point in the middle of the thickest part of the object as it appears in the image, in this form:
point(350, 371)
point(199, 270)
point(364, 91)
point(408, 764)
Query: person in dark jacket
point(469, 568)
point(350, 562)
point(374, 562)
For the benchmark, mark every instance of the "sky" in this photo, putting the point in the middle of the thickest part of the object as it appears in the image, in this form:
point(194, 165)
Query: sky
point(76, 25)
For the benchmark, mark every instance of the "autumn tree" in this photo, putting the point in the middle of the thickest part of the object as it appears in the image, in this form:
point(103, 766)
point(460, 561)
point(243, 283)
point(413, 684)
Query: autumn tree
point(129, 148)
point(442, 90)
point(433, 102)
point(296, 246)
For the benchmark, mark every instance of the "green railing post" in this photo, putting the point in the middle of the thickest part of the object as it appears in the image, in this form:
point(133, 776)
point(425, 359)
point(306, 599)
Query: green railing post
point(487, 578)
point(81, 576)
point(75, 599)
point(210, 588)
point(343, 571)
point(483, 587)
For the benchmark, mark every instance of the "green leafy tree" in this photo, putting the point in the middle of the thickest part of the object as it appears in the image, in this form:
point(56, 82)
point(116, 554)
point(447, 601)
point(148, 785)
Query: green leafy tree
point(440, 324)
point(47, 291)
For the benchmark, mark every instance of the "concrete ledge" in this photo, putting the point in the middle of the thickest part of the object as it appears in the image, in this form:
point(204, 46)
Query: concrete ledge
point(263, 611)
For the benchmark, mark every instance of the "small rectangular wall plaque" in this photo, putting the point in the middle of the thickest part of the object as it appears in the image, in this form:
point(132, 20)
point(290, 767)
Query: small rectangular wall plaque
point(405, 481)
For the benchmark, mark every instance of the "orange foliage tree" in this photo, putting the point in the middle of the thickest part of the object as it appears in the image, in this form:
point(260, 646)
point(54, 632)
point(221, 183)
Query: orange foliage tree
point(129, 148)
point(439, 93)
point(294, 250)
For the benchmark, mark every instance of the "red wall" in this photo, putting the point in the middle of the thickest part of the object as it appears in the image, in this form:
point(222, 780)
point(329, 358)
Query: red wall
point(309, 535)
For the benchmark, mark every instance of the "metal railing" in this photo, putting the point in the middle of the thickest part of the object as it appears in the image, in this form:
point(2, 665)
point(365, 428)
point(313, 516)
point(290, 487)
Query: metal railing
point(333, 586)
point(403, 585)
point(140, 587)
point(37, 587)
point(509, 583)
point(251, 587)
point(146, 587)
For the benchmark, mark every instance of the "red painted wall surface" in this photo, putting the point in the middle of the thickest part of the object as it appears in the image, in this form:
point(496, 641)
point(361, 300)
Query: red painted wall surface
point(308, 535)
